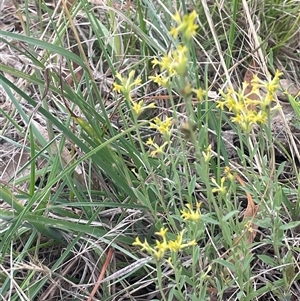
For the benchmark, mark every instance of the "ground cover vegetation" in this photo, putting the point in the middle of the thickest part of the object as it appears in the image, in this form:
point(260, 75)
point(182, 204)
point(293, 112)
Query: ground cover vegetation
point(149, 150)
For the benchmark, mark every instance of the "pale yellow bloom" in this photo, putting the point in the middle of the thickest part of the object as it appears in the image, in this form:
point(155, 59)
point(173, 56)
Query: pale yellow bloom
point(175, 62)
point(228, 174)
point(158, 149)
point(127, 84)
point(139, 107)
point(207, 154)
point(220, 188)
point(160, 248)
point(248, 111)
point(238, 119)
point(161, 80)
point(190, 214)
point(185, 25)
point(163, 126)
point(162, 233)
point(176, 245)
point(150, 141)
point(200, 93)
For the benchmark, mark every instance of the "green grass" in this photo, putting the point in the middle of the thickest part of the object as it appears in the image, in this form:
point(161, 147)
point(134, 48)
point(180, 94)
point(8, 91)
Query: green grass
point(82, 178)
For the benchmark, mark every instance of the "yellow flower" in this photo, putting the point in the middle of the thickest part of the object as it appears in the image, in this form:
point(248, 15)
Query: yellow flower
point(271, 87)
point(158, 149)
point(150, 141)
point(273, 84)
point(157, 252)
point(180, 60)
point(277, 74)
point(162, 233)
point(163, 126)
point(155, 62)
point(161, 80)
point(166, 63)
point(250, 103)
point(126, 84)
point(260, 117)
point(238, 107)
point(207, 154)
point(137, 242)
point(169, 261)
point(230, 102)
point(161, 247)
point(200, 94)
point(238, 119)
point(175, 62)
point(246, 110)
point(186, 25)
point(117, 87)
point(145, 246)
point(221, 104)
point(190, 214)
point(228, 174)
point(220, 188)
point(177, 17)
point(139, 107)
point(176, 245)
point(256, 85)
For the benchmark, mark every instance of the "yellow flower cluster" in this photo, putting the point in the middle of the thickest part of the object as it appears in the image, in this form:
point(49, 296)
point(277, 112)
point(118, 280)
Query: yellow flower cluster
point(175, 62)
point(186, 25)
point(228, 173)
point(207, 154)
point(125, 86)
point(248, 111)
point(189, 214)
point(140, 107)
point(163, 126)
point(156, 148)
point(164, 245)
point(161, 79)
point(221, 188)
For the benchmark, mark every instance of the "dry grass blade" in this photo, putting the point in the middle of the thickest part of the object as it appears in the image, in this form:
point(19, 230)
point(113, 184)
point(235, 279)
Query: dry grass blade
point(103, 270)
point(249, 215)
point(248, 77)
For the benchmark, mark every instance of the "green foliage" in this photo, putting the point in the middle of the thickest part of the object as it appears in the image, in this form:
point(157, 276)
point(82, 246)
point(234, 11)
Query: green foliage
point(130, 154)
